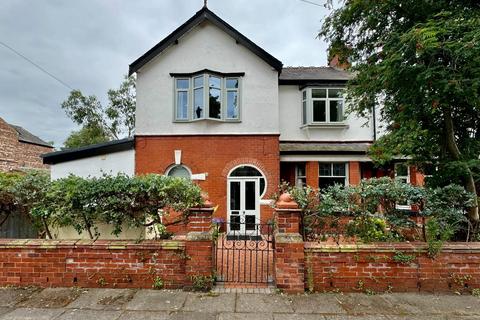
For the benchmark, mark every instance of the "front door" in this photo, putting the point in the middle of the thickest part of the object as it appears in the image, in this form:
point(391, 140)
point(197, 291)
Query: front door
point(243, 206)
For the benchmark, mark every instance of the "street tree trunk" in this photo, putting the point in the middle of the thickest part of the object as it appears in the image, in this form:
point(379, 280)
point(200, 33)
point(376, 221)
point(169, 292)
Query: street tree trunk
point(452, 148)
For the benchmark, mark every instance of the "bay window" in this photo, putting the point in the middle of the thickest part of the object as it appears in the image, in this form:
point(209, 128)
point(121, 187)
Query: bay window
point(207, 95)
point(322, 106)
point(182, 89)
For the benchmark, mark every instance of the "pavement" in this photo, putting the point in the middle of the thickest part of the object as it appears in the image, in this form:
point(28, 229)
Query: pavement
point(128, 304)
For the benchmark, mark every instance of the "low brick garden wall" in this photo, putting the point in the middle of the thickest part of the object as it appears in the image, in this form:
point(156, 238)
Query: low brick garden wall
point(86, 263)
point(398, 267)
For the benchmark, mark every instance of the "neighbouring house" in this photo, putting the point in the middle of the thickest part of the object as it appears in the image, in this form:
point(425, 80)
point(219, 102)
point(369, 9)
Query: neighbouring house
point(20, 149)
point(214, 107)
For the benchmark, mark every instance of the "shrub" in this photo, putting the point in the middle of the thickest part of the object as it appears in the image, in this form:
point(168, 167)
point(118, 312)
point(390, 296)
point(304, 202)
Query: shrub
point(376, 217)
point(20, 193)
point(82, 203)
point(369, 229)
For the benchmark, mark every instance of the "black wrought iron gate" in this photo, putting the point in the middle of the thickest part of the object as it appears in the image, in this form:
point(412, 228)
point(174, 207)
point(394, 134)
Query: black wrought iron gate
point(244, 253)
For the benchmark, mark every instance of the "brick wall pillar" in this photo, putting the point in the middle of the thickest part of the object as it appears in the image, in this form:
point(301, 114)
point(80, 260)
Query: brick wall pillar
point(289, 247)
point(311, 170)
point(199, 244)
point(354, 175)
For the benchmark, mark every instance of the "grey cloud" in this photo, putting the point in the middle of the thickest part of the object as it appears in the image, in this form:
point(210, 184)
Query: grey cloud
point(89, 44)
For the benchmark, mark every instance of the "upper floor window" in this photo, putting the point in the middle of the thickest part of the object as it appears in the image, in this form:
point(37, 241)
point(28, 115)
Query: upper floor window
point(322, 106)
point(207, 96)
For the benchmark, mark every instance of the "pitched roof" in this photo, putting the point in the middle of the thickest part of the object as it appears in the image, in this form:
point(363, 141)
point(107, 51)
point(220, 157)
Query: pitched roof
point(88, 151)
point(28, 137)
point(295, 75)
point(204, 15)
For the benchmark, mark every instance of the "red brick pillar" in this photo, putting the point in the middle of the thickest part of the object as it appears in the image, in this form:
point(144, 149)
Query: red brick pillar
point(354, 175)
point(289, 249)
point(199, 245)
point(416, 177)
point(311, 170)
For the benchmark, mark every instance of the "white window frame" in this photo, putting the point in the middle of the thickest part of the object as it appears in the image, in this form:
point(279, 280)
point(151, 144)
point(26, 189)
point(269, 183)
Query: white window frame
point(263, 176)
point(176, 91)
point(225, 98)
point(346, 176)
point(298, 176)
point(206, 92)
point(407, 178)
point(309, 106)
point(171, 167)
point(203, 76)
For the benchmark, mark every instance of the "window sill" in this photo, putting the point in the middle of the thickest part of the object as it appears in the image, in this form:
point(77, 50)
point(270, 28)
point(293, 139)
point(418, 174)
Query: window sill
point(208, 119)
point(325, 125)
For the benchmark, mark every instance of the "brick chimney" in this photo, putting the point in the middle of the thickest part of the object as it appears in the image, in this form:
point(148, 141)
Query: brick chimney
point(336, 62)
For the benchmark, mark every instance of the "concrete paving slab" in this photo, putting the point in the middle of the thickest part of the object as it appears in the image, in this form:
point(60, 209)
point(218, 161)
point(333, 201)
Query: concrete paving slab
point(51, 298)
point(267, 303)
point(245, 316)
point(4, 310)
point(419, 317)
point(12, 296)
point(289, 316)
point(192, 315)
point(157, 300)
point(82, 314)
point(102, 299)
point(356, 317)
point(145, 315)
point(219, 302)
point(317, 303)
point(436, 304)
point(362, 304)
point(32, 314)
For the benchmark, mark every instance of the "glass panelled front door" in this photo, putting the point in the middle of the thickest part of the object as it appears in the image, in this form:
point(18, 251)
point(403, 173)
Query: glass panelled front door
point(243, 205)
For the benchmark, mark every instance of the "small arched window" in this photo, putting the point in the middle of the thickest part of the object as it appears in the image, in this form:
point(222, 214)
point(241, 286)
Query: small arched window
point(179, 171)
point(250, 171)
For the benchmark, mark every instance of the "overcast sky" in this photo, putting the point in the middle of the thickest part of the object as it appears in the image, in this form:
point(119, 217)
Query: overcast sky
point(89, 44)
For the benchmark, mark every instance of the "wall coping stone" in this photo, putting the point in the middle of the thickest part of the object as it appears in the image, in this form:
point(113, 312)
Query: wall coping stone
point(463, 247)
point(94, 244)
point(199, 236)
point(288, 238)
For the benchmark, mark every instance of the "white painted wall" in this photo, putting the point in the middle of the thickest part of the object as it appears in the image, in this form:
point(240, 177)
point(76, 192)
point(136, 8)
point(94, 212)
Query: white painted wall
point(290, 100)
point(207, 47)
point(112, 163)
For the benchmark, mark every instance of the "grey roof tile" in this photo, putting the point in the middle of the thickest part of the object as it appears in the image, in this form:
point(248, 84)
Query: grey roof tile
point(28, 137)
point(314, 73)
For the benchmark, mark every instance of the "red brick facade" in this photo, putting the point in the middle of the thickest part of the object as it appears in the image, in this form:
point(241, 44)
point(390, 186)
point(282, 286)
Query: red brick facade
point(17, 155)
point(216, 156)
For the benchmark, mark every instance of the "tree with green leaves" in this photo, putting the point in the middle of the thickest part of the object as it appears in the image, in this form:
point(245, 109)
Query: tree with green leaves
point(420, 61)
point(86, 136)
point(102, 123)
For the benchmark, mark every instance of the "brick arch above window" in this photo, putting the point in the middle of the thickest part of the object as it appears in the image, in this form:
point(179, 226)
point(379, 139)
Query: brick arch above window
point(250, 162)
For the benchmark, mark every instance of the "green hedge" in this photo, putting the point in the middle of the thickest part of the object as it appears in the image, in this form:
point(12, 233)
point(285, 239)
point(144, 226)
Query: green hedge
point(83, 203)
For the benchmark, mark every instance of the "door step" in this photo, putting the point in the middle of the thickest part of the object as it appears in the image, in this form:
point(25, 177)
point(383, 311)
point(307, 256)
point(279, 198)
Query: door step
point(243, 288)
